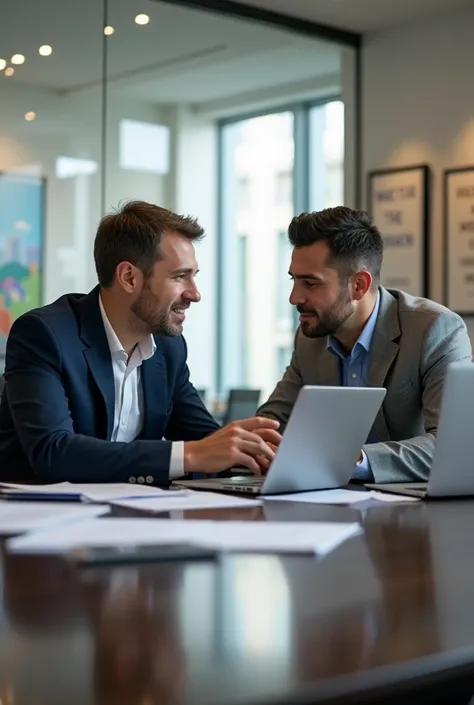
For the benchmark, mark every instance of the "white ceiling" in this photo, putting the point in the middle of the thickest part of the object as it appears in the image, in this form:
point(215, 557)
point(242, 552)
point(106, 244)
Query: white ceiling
point(181, 56)
point(360, 15)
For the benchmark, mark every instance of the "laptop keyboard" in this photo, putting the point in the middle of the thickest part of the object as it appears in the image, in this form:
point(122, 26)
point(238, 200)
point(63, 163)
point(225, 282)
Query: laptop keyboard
point(247, 480)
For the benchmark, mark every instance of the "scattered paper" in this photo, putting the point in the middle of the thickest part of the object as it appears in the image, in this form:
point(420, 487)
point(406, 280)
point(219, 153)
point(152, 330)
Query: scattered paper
point(187, 499)
point(340, 496)
point(109, 492)
point(282, 537)
point(18, 517)
point(90, 491)
point(274, 537)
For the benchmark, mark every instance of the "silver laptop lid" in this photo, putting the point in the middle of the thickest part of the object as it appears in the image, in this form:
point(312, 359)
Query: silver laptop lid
point(323, 438)
point(452, 472)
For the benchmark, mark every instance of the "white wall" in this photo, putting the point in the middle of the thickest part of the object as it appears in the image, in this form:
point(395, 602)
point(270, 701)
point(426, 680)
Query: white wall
point(418, 106)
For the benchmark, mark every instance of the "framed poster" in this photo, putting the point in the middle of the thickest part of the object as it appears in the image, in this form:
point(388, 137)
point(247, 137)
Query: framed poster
point(459, 239)
point(22, 201)
point(398, 200)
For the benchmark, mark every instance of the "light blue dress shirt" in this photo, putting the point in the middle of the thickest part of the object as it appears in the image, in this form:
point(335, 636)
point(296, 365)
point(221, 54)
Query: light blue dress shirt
point(354, 370)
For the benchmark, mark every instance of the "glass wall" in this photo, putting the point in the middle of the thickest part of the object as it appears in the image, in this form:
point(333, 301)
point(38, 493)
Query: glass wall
point(265, 170)
point(50, 151)
point(100, 107)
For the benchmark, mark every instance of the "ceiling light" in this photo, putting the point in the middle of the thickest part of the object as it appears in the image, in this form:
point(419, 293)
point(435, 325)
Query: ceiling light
point(142, 19)
point(30, 116)
point(45, 50)
point(108, 30)
point(3, 64)
point(18, 59)
point(9, 71)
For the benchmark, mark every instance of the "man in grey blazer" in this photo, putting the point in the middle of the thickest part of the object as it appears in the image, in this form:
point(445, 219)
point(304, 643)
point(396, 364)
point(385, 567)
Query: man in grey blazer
point(356, 333)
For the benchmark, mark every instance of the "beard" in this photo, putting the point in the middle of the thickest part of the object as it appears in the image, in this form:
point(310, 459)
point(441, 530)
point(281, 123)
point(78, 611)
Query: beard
point(151, 317)
point(330, 321)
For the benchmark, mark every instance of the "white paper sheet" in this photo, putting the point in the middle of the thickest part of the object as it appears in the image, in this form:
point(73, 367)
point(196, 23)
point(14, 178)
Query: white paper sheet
point(92, 492)
point(340, 496)
point(18, 517)
point(189, 499)
point(275, 537)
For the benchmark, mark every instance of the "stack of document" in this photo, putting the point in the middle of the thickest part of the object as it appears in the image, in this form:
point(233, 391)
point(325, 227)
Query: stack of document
point(85, 492)
point(259, 536)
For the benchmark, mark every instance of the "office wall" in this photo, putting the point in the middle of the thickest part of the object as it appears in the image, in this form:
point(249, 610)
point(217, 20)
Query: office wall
point(418, 106)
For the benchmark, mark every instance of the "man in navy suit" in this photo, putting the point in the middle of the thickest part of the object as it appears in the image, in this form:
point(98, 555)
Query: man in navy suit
point(97, 386)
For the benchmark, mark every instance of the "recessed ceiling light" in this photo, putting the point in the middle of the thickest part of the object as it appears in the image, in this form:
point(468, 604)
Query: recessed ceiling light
point(30, 116)
point(45, 50)
point(109, 30)
point(3, 63)
point(9, 71)
point(18, 59)
point(142, 19)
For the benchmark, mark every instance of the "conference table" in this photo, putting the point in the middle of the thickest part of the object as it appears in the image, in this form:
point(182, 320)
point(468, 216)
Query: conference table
point(386, 617)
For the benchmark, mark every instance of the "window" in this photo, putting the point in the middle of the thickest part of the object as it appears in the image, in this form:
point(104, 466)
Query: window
point(244, 345)
point(144, 147)
point(326, 149)
point(254, 153)
point(271, 166)
point(284, 309)
point(283, 359)
point(243, 193)
point(284, 187)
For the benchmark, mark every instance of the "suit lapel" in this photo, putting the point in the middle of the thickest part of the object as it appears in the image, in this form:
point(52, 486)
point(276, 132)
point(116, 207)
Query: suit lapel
point(97, 352)
point(155, 397)
point(383, 351)
point(329, 367)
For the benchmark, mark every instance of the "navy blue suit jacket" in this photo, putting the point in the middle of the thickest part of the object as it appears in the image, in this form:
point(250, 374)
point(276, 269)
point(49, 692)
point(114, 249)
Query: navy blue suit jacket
point(57, 410)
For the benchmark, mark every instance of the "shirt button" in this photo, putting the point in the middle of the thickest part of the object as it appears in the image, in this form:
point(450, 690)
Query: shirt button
point(132, 479)
point(354, 375)
point(149, 479)
point(141, 480)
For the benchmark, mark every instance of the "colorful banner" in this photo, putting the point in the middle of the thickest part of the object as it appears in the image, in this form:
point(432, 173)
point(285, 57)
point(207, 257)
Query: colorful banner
point(21, 247)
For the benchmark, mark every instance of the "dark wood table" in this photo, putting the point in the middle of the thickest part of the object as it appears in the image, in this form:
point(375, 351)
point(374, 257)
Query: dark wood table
point(387, 613)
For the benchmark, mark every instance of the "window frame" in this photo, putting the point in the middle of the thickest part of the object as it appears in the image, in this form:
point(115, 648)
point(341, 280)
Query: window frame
point(301, 192)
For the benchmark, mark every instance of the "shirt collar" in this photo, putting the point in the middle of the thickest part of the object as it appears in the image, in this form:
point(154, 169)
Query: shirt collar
point(365, 338)
point(145, 347)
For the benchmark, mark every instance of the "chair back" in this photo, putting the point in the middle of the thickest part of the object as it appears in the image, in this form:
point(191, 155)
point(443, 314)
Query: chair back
point(241, 404)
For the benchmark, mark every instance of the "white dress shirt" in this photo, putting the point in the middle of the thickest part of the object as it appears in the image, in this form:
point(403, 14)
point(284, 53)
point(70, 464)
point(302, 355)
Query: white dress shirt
point(128, 413)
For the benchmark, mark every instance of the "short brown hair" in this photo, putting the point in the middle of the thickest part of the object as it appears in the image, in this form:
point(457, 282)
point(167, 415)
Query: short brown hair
point(133, 234)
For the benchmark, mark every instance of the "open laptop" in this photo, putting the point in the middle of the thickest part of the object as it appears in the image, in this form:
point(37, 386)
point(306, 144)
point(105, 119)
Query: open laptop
point(320, 447)
point(452, 473)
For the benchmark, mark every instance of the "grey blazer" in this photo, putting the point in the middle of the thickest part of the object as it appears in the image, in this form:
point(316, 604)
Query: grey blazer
point(413, 342)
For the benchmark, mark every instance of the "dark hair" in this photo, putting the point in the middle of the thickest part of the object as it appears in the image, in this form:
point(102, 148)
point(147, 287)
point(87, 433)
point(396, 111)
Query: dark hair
point(353, 239)
point(133, 234)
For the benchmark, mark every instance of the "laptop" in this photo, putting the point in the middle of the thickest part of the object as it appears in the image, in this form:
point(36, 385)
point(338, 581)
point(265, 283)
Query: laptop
point(320, 447)
point(452, 472)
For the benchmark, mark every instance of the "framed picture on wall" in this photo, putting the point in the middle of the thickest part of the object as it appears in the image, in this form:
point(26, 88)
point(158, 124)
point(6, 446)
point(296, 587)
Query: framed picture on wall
point(459, 239)
point(22, 200)
point(398, 200)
